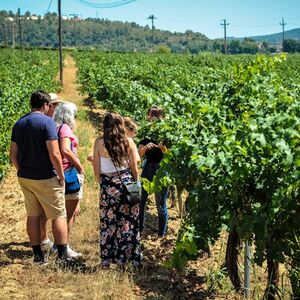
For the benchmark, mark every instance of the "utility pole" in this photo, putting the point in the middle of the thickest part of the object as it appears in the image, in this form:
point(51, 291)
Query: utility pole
point(282, 24)
point(225, 36)
point(74, 29)
point(13, 34)
point(247, 270)
point(20, 29)
point(60, 44)
point(4, 34)
point(151, 17)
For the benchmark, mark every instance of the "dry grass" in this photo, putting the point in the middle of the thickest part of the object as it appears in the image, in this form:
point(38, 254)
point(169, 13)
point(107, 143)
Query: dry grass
point(19, 279)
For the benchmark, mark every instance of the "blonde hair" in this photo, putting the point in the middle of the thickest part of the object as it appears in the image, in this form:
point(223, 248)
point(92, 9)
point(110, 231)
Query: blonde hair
point(130, 125)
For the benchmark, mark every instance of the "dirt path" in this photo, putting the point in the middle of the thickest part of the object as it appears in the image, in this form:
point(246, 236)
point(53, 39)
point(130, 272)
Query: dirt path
point(20, 280)
point(70, 91)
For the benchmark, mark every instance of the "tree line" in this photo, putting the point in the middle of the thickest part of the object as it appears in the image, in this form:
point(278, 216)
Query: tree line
point(119, 36)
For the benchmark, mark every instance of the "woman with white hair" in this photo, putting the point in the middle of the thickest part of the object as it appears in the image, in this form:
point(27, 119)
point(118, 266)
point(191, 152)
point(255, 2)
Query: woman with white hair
point(64, 116)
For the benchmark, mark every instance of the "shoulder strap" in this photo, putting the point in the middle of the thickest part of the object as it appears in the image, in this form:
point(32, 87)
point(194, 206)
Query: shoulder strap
point(58, 134)
point(118, 172)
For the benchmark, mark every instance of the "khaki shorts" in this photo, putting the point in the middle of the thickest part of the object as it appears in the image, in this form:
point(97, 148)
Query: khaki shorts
point(43, 196)
point(78, 195)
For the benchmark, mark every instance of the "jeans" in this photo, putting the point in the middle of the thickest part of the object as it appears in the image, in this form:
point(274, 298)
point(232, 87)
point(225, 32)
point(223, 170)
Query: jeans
point(148, 172)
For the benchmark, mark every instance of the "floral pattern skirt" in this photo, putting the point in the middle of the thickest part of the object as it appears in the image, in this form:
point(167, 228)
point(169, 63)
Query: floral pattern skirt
point(119, 222)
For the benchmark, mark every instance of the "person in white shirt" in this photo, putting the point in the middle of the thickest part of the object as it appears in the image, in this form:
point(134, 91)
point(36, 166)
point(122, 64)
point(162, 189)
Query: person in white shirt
point(115, 161)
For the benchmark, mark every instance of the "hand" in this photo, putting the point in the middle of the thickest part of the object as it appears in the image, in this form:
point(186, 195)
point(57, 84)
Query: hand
point(80, 169)
point(150, 146)
point(90, 158)
point(162, 147)
point(77, 210)
point(61, 181)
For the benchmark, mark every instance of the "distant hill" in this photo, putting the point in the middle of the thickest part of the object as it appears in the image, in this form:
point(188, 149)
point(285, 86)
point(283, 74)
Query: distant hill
point(106, 35)
point(41, 31)
point(275, 38)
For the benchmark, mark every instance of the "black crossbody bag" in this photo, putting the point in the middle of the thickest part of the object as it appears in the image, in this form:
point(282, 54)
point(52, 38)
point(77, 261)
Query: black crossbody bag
point(132, 190)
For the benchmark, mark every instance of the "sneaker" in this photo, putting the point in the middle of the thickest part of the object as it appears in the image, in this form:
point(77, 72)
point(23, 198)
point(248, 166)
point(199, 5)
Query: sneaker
point(70, 265)
point(53, 249)
point(49, 245)
point(71, 254)
point(40, 261)
point(161, 236)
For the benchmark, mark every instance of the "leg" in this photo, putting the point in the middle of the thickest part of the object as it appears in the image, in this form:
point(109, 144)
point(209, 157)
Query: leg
point(34, 234)
point(128, 235)
point(33, 230)
point(33, 208)
point(142, 210)
point(43, 228)
point(46, 242)
point(71, 206)
point(34, 211)
point(46, 196)
point(161, 204)
point(60, 231)
point(172, 196)
point(148, 173)
point(109, 246)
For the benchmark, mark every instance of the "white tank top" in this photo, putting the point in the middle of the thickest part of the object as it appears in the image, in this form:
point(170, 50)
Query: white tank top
point(107, 166)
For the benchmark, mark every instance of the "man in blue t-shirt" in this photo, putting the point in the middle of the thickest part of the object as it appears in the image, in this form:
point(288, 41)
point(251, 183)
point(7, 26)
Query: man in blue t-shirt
point(34, 152)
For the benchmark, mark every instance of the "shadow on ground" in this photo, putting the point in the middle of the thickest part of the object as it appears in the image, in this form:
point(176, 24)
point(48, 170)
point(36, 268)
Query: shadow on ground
point(155, 280)
point(158, 282)
point(11, 251)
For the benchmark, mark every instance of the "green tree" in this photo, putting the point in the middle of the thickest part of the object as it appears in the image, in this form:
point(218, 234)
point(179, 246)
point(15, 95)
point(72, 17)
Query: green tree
point(234, 47)
point(163, 49)
point(291, 46)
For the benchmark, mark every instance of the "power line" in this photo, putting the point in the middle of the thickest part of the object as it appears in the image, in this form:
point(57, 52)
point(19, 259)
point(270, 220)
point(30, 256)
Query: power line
point(111, 4)
point(49, 6)
point(254, 26)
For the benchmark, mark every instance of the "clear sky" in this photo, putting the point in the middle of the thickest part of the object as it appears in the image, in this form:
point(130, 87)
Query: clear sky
point(245, 17)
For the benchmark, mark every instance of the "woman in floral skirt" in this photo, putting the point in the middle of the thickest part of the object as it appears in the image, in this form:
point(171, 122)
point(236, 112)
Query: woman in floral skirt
point(115, 158)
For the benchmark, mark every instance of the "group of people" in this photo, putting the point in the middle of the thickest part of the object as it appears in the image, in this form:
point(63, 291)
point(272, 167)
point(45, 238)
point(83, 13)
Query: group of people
point(44, 146)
